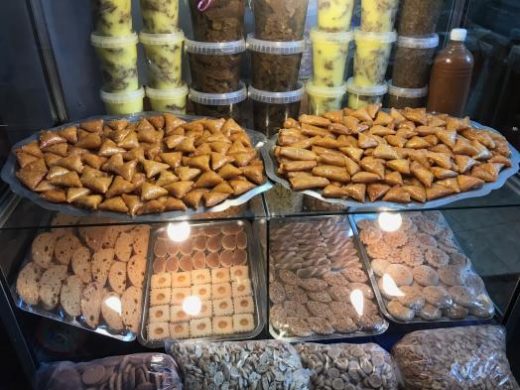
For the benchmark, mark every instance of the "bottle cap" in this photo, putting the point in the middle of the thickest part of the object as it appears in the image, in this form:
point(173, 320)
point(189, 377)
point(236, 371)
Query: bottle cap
point(219, 99)
point(276, 97)
point(458, 34)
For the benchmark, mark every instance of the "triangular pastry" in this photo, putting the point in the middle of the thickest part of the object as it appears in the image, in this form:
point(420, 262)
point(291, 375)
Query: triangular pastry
point(118, 124)
point(187, 173)
point(24, 158)
point(94, 125)
point(219, 147)
point(179, 188)
point(136, 154)
point(365, 177)
point(157, 121)
point(186, 145)
point(74, 193)
point(437, 191)
point(376, 191)
point(72, 163)
point(420, 172)
point(218, 160)
point(223, 187)
point(69, 179)
point(89, 201)
point(463, 146)
point(32, 148)
point(383, 119)
point(441, 148)
point(208, 180)
point(242, 159)
point(119, 186)
point(447, 137)
point(109, 148)
point(93, 160)
point(96, 183)
point(385, 152)
point(229, 171)
point(166, 177)
point(201, 162)
point(153, 168)
point(450, 183)
point(256, 173)
point(59, 149)
point(393, 178)
point(373, 165)
point(202, 150)
point(174, 204)
point(441, 173)
point(356, 191)
point(334, 191)
point(464, 163)
point(352, 166)
point(153, 206)
point(173, 140)
point(173, 159)
point(151, 191)
point(194, 197)
point(55, 196)
point(91, 141)
point(114, 204)
point(397, 194)
point(354, 153)
point(468, 183)
point(132, 202)
point(48, 138)
point(487, 172)
point(417, 143)
point(44, 185)
point(32, 174)
point(399, 165)
point(171, 121)
point(441, 159)
point(240, 186)
point(366, 141)
point(129, 142)
point(213, 198)
point(416, 192)
point(396, 141)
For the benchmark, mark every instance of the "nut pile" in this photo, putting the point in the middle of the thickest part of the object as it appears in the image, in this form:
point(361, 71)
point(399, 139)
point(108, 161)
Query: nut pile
point(348, 366)
point(158, 163)
point(401, 156)
point(471, 357)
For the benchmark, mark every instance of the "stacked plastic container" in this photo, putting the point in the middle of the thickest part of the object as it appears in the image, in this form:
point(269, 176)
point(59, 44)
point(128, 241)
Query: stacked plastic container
point(416, 44)
point(116, 47)
point(276, 50)
point(215, 58)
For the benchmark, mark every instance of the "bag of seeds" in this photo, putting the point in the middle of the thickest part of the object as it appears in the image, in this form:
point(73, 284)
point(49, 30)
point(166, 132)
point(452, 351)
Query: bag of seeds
point(258, 364)
point(472, 357)
point(348, 366)
point(142, 371)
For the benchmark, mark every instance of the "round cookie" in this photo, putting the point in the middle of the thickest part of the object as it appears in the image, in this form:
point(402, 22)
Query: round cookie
point(379, 266)
point(426, 225)
point(399, 311)
point(425, 240)
point(452, 275)
point(276, 292)
point(456, 312)
point(81, 264)
point(412, 297)
point(462, 296)
point(430, 312)
point(65, 246)
point(365, 289)
point(70, 295)
point(27, 283)
point(398, 238)
point(460, 259)
point(400, 274)
point(412, 255)
point(370, 235)
point(380, 250)
point(425, 275)
point(474, 283)
point(436, 257)
point(111, 316)
point(42, 249)
point(437, 296)
point(93, 374)
point(483, 308)
point(355, 275)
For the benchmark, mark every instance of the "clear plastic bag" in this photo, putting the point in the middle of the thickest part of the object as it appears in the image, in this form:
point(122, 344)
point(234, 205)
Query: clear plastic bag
point(472, 357)
point(345, 366)
point(262, 364)
point(131, 372)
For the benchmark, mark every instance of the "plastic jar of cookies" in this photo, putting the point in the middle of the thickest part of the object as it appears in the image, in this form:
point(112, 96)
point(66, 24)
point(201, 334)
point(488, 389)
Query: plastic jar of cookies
point(406, 97)
point(217, 20)
point(173, 100)
point(329, 56)
point(359, 97)
point(219, 105)
point(119, 103)
point(418, 17)
point(277, 20)
point(324, 99)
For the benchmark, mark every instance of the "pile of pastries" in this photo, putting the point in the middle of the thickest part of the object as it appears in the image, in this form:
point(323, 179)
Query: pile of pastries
point(157, 163)
point(397, 156)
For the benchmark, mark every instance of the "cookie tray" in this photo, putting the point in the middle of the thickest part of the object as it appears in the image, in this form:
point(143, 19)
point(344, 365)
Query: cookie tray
point(257, 275)
point(271, 167)
point(8, 175)
point(470, 319)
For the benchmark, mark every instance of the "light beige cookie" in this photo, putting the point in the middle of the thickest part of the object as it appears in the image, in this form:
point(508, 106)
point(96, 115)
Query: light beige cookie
point(117, 277)
point(123, 246)
point(160, 296)
point(201, 276)
point(177, 314)
point(203, 291)
point(436, 257)
point(136, 269)
point(399, 311)
point(437, 296)
point(463, 296)
point(91, 298)
point(456, 312)
point(110, 237)
point(93, 236)
point(200, 327)
point(400, 274)
point(50, 285)
point(181, 279)
point(243, 322)
point(452, 275)
point(179, 294)
point(221, 290)
point(27, 283)
point(412, 297)
point(141, 237)
point(162, 280)
point(180, 330)
point(159, 313)
point(223, 325)
point(158, 331)
point(81, 264)
point(70, 296)
point(222, 307)
point(379, 266)
point(65, 247)
point(425, 275)
point(101, 263)
point(131, 308)
point(430, 312)
point(111, 311)
point(241, 288)
point(42, 249)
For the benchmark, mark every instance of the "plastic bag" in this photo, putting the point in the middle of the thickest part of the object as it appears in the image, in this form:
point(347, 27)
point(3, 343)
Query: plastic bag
point(471, 357)
point(344, 366)
point(131, 372)
point(263, 364)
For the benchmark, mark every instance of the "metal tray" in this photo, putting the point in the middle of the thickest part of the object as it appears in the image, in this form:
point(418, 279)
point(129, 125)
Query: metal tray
point(272, 166)
point(257, 277)
point(470, 319)
point(9, 169)
point(335, 336)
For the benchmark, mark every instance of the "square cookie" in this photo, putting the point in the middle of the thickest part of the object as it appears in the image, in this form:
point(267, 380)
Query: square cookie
point(243, 305)
point(221, 290)
point(222, 325)
point(162, 280)
point(241, 288)
point(243, 322)
point(177, 314)
point(158, 331)
point(200, 327)
point(203, 291)
point(239, 272)
point(180, 330)
point(160, 296)
point(159, 313)
point(219, 275)
point(223, 307)
point(181, 279)
point(179, 294)
point(200, 276)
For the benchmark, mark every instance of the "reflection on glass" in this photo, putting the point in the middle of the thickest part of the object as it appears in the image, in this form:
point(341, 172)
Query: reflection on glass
point(390, 287)
point(178, 231)
point(192, 305)
point(114, 303)
point(356, 297)
point(389, 222)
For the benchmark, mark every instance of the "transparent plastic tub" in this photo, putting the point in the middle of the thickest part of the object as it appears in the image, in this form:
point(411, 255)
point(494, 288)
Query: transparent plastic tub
point(217, 20)
point(215, 66)
point(324, 99)
point(329, 56)
point(406, 97)
point(275, 65)
point(121, 103)
point(279, 20)
point(359, 97)
point(271, 109)
point(220, 105)
point(173, 100)
point(418, 17)
point(160, 16)
point(112, 17)
point(378, 15)
point(335, 15)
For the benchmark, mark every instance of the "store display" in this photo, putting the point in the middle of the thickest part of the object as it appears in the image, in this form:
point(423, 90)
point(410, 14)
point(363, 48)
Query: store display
point(470, 357)
point(217, 20)
point(418, 17)
point(215, 66)
point(160, 16)
point(173, 100)
point(317, 285)
point(371, 57)
point(142, 165)
point(89, 277)
point(406, 97)
point(112, 17)
point(378, 16)
point(360, 97)
point(279, 20)
point(330, 52)
point(335, 15)
point(240, 365)
point(220, 105)
point(282, 200)
point(151, 371)
point(163, 56)
point(402, 156)
point(348, 366)
point(208, 286)
point(324, 99)
point(123, 103)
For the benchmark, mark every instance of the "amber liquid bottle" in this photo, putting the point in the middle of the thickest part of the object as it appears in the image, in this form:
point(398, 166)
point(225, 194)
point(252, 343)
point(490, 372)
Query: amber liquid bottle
point(451, 76)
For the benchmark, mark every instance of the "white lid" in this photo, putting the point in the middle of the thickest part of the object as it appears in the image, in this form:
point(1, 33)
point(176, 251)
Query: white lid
point(112, 42)
point(338, 37)
point(383, 37)
point(215, 48)
point(275, 47)
point(428, 42)
point(219, 99)
point(122, 97)
point(458, 34)
point(332, 92)
point(161, 39)
point(375, 90)
point(167, 93)
point(277, 97)
point(407, 92)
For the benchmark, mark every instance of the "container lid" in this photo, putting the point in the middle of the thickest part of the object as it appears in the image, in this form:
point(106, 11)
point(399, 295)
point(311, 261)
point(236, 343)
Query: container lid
point(277, 97)
point(458, 34)
point(337, 37)
point(332, 92)
point(383, 37)
point(275, 47)
point(219, 99)
point(122, 97)
point(215, 48)
point(112, 42)
point(161, 39)
point(428, 42)
point(407, 92)
point(375, 90)
point(167, 93)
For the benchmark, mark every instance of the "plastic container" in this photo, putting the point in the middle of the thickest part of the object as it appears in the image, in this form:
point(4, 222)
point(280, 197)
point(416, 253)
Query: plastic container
point(215, 66)
point(160, 16)
point(117, 103)
point(219, 105)
point(335, 15)
point(371, 57)
point(271, 109)
point(406, 97)
point(112, 18)
point(168, 99)
point(378, 15)
point(359, 97)
point(275, 65)
point(413, 61)
point(310, 22)
point(324, 99)
point(118, 61)
point(217, 20)
point(164, 58)
point(277, 20)
point(329, 53)
point(418, 17)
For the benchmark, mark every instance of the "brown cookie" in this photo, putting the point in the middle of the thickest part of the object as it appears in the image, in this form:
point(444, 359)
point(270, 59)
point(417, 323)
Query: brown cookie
point(81, 264)
point(93, 374)
point(399, 311)
point(131, 308)
point(91, 298)
point(27, 283)
point(123, 246)
point(50, 285)
point(136, 269)
point(400, 274)
point(425, 275)
point(65, 247)
point(117, 277)
point(101, 263)
point(42, 249)
point(93, 236)
point(111, 311)
point(141, 237)
point(452, 275)
point(70, 296)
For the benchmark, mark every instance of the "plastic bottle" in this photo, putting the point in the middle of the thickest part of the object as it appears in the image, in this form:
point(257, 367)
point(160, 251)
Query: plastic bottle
point(451, 76)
